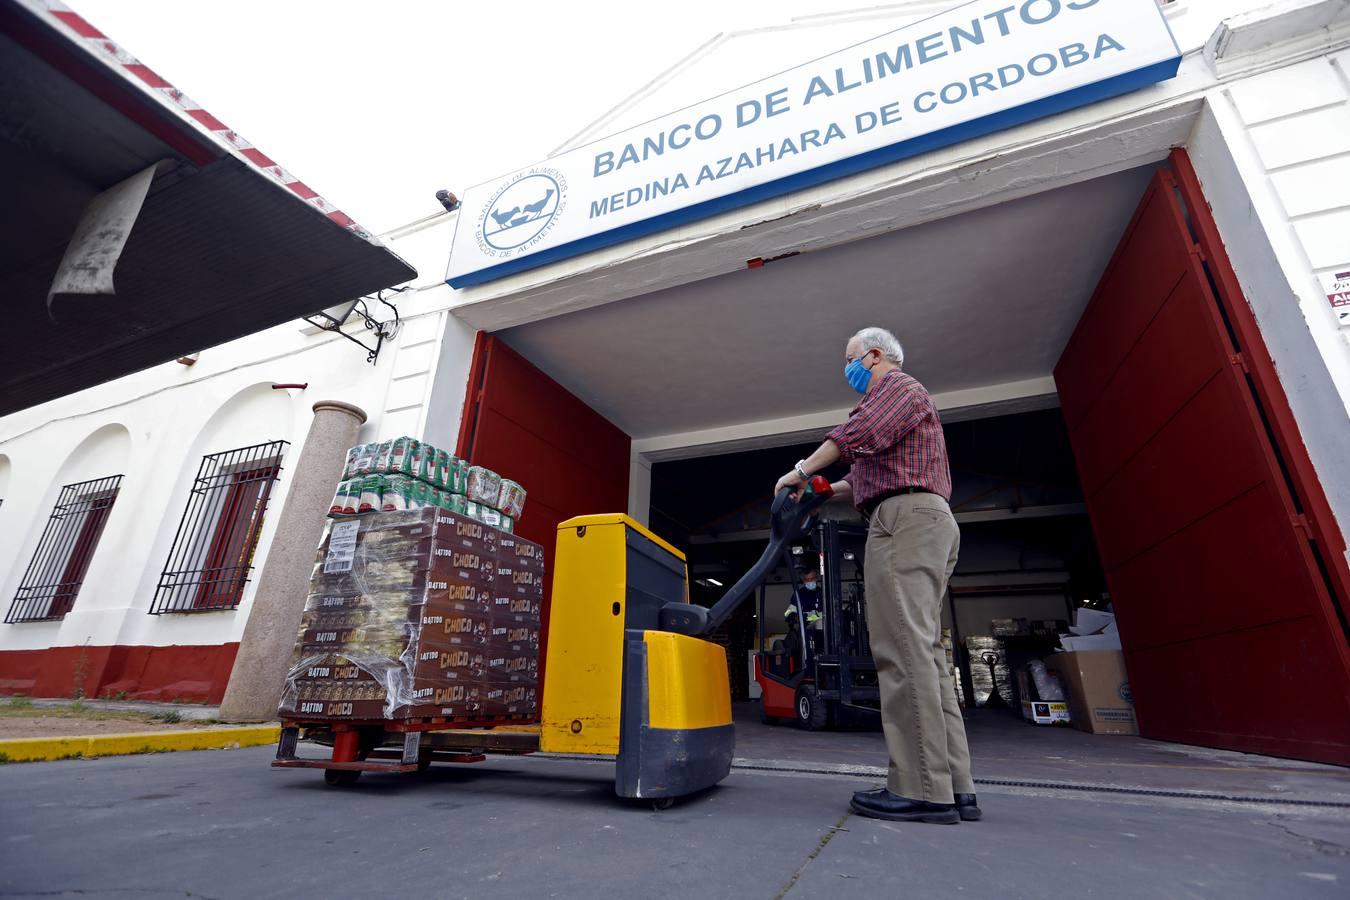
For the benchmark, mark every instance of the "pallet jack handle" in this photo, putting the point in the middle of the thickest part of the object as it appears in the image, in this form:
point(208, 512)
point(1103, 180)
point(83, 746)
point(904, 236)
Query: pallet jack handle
point(789, 520)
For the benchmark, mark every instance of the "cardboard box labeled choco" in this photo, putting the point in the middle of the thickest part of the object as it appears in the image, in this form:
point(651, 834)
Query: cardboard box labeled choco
point(512, 668)
point(519, 580)
point(456, 531)
point(518, 700)
point(513, 637)
point(451, 627)
point(522, 552)
point(455, 704)
point(454, 566)
point(449, 664)
point(335, 668)
point(333, 680)
point(1100, 701)
point(389, 577)
point(508, 610)
point(370, 641)
point(383, 605)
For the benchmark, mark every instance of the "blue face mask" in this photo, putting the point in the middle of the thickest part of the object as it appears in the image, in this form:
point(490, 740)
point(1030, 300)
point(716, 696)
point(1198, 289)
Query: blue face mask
point(809, 585)
point(857, 376)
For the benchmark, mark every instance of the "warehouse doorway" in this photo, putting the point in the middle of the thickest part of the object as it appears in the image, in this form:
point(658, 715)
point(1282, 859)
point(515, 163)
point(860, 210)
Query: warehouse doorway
point(1027, 549)
point(1215, 541)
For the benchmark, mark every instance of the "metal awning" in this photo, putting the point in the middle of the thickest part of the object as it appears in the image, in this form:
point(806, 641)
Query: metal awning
point(227, 243)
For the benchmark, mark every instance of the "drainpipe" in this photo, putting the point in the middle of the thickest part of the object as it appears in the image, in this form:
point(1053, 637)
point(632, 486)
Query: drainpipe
point(269, 636)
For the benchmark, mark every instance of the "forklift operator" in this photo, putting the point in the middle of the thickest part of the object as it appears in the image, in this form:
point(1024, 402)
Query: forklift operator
point(807, 599)
point(900, 480)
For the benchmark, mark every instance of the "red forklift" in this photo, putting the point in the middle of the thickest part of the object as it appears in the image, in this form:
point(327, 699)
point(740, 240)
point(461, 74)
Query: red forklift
point(827, 676)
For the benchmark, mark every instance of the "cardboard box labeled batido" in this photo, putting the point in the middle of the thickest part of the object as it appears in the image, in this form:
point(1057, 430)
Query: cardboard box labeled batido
point(1099, 690)
point(403, 621)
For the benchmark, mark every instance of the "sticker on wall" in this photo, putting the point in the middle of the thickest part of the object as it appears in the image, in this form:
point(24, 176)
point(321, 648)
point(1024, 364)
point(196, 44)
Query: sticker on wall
point(1337, 286)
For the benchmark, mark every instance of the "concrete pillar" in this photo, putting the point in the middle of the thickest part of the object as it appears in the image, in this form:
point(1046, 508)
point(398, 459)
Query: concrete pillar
point(269, 637)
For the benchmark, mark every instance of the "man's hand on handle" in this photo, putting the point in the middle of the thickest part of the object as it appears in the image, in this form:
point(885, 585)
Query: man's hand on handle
point(825, 455)
point(790, 480)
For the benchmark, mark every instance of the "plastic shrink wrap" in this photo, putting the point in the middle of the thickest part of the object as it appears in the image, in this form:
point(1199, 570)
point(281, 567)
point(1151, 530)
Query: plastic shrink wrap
point(418, 613)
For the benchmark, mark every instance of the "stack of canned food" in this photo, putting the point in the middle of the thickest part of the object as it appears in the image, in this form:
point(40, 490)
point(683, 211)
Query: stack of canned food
point(405, 473)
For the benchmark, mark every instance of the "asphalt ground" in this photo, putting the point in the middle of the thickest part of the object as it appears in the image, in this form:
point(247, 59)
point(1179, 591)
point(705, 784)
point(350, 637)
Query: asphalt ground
point(221, 824)
point(1006, 749)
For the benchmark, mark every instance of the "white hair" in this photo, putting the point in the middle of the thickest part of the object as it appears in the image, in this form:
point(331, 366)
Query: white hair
point(874, 338)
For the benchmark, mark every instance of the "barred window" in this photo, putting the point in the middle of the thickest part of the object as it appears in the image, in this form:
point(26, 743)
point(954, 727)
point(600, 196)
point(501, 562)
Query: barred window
point(212, 553)
point(56, 571)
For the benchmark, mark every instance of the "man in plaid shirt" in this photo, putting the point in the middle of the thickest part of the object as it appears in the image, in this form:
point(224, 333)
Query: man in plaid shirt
point(899, 479)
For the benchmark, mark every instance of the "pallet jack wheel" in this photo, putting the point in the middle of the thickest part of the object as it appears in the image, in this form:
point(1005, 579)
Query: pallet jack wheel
point(813, 714)
point(339, 777)
point(661, 803)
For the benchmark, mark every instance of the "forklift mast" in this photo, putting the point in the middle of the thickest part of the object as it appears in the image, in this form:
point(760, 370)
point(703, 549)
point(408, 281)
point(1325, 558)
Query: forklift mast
point(836, 671)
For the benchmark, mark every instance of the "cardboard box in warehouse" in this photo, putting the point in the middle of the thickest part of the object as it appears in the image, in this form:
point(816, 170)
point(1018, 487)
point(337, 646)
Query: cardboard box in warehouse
point(1099, 690)
point(401, 623)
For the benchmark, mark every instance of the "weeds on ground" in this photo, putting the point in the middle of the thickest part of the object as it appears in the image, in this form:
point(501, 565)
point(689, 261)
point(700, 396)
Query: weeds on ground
point(171, 717)
point(20, 701)
point(81, 672)
point(78, 710)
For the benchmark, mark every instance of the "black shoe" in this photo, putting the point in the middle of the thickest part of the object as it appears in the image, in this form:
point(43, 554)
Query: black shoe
point(882, 804)
point(967, 809)
point(877, 794)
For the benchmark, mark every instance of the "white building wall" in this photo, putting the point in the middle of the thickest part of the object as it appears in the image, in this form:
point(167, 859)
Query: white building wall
point(154, 426)
point(1273, 154)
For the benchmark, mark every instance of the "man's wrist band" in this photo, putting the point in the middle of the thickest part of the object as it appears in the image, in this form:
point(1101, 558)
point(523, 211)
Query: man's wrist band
point(801, 471)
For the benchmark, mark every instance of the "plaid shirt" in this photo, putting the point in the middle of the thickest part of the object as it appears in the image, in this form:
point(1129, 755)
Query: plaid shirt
point(893, 440)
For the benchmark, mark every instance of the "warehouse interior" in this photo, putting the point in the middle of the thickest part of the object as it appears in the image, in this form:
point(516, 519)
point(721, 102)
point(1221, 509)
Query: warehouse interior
point(1026, 545)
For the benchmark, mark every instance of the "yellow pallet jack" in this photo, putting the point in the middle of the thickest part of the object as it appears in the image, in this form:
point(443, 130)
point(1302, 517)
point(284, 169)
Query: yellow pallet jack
point(626, 669)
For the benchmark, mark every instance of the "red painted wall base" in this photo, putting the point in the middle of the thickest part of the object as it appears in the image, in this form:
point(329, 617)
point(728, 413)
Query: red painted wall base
point(189, 674)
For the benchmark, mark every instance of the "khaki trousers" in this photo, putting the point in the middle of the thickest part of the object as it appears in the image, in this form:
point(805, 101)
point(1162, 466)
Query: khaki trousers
point(912, 544)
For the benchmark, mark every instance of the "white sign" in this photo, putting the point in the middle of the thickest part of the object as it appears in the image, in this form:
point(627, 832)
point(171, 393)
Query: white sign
point(100, 237)
point(982, 67)
point(1337, 286)
point(341, 547)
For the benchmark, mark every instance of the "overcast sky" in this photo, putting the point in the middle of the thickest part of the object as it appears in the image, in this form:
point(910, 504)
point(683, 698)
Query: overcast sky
point(378, 105)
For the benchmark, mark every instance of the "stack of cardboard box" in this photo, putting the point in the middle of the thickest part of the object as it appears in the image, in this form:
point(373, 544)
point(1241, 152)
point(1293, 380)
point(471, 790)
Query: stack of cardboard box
point(419, 613)
point(1092, 668)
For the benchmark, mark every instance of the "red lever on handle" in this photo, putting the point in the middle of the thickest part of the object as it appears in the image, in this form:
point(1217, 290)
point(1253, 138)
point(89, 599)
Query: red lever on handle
point(821, 485)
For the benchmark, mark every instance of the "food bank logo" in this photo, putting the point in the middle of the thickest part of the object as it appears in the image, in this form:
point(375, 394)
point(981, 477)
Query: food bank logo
point(521, 212)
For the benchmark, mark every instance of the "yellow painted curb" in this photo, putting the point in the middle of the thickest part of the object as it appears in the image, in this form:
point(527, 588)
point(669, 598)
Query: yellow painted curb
point(32, 749)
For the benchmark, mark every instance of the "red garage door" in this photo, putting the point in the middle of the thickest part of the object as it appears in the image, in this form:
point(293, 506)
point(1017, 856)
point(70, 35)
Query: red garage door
point(1228, 608)
point(521, 423)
